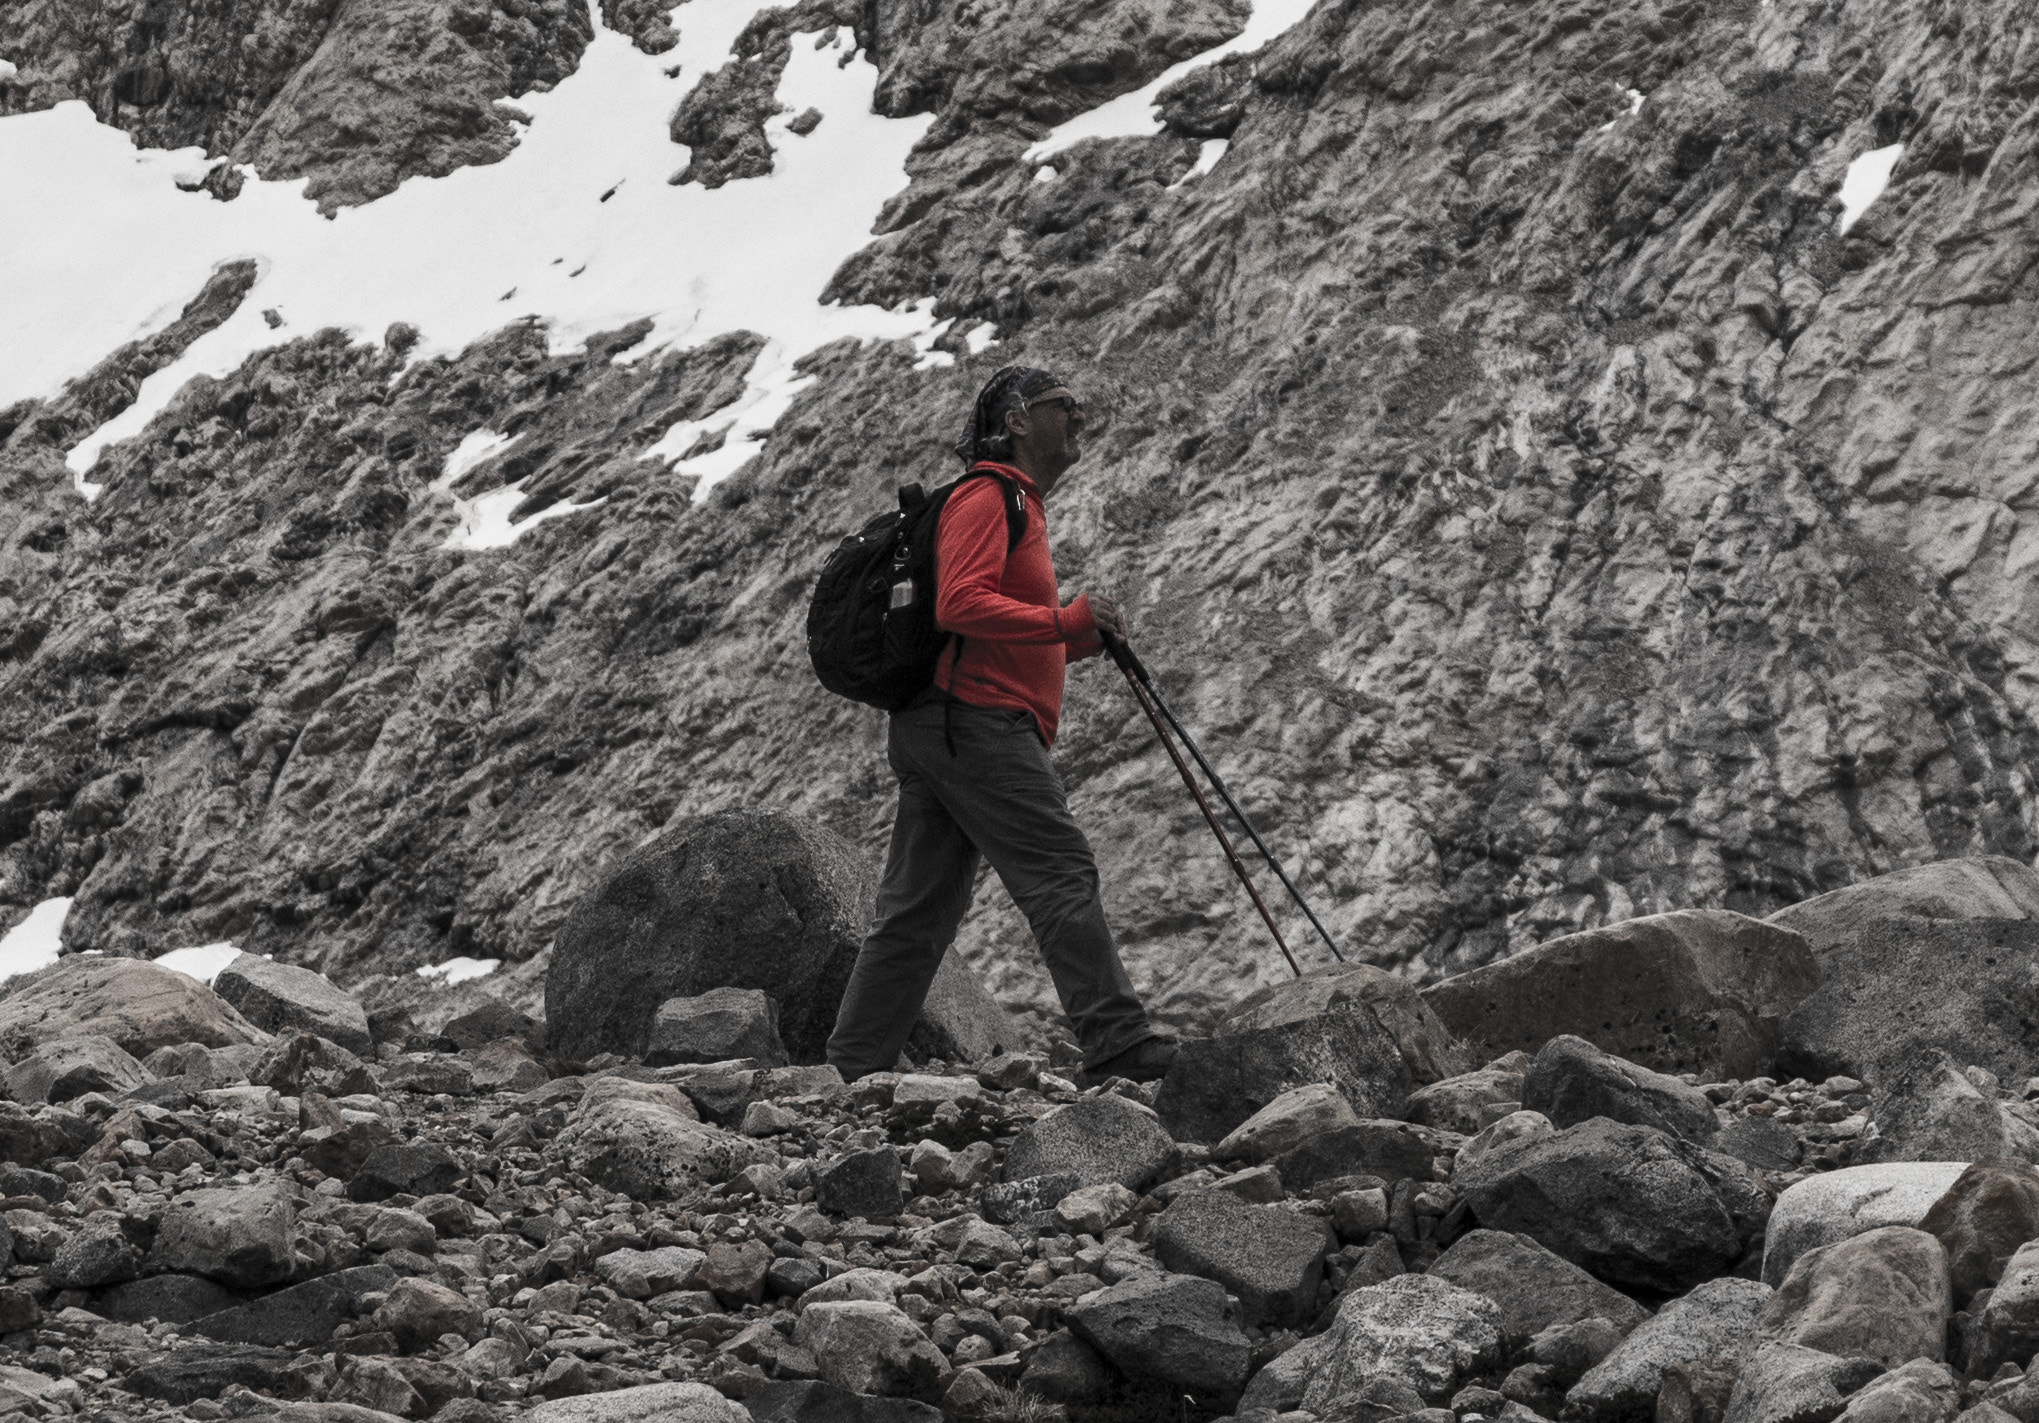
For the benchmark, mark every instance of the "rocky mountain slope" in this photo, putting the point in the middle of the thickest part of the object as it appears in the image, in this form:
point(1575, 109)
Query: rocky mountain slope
point(1543, 509)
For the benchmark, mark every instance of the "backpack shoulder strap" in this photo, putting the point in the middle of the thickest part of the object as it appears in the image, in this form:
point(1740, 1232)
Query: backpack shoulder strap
point(1015, 502)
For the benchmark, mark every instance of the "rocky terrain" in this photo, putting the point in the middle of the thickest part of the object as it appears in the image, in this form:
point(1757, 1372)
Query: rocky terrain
point(1541, 507)
point(258, 1200)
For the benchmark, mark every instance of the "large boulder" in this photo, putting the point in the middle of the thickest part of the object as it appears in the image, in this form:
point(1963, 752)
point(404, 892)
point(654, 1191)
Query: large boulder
point(870, 1347)
point(1784, 1383)
point(1534, 1288)
point(1572, 1081)
point(750, 898)
point(304, 1313)
point(63, 1068)
point(1921, 1391)
point(1926, 1109)
point(1428, 1049)
point(1217, 1083)
point(1167, 1329)
point(1984, 887)
point(238, 1235)
point(277, 997)
point(644, 1139)
point(137, 1004)
point(1631, 1205)
point(1716, 1318)
point(1835, 1205)
point(1698, 990)
point(1272, 1259)
point(1893, 985)
point(1880, 1295)
point(1991, 1209)
point(1427, 1332)
point(1094, 1141)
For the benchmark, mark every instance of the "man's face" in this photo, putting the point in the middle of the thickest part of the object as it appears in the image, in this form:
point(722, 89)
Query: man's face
point(1054, 427)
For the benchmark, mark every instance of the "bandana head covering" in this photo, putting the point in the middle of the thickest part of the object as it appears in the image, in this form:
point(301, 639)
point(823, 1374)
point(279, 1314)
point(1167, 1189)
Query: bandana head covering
point(1010, 387)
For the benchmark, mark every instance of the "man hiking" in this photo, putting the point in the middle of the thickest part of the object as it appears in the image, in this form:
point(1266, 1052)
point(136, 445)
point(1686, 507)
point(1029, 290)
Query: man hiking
point(971, 754)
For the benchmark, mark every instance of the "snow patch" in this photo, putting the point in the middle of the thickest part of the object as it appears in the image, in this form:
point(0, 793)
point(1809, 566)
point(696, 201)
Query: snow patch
point(1206, 159)
point(36, 941)
point(1635, 106)
point(1867, 177)
point(204, 963)
point(1046, 174)
point(1132, 115)
point(578, 227)
point(7, 69)
point(485, 519)
point(981, 338)
point(460, 970)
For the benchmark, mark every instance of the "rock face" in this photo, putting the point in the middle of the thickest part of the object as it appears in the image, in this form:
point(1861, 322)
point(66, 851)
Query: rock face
point(1694, 991)
point(1629, 1204)
point(277, 996)
point(1572, 1081)
point(139, 1006)
point(1215, 1084)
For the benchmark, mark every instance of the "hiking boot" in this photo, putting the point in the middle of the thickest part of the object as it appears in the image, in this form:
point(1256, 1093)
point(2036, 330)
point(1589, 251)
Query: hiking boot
point(1147, 1060)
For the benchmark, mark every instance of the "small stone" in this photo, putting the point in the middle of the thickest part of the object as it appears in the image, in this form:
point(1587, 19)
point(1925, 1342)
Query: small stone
point(868, 1347)
point(1168, 1329)
point(862, 1183)
point(1095, 1209)
point(1784, 1383)
point(418, 1311)
point(1286, 1122)
point(641, 1274)
point(735, 1274)
point(1271, 1259)
point(769, 1119)
point(717, 1026)
point(1572, 1081)
point(421, 1169)
point(1425, 1331)
point(1100, 1140)
point(1357, 1214)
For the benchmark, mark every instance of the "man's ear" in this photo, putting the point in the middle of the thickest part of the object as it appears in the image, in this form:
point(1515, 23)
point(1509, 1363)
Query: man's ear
point(1016, 424)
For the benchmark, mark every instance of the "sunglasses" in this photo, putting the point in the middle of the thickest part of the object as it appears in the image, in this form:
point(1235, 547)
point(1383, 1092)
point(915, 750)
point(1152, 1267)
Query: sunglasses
point(1068, 403)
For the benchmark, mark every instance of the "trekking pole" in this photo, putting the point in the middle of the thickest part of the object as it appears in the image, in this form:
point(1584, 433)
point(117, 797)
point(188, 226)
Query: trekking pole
point(1133, 667)
point(1123, 655)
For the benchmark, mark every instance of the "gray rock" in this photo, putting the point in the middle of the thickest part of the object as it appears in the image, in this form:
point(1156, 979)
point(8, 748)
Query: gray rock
point(1760, 1142)
point(813, 1401)
point(2008, 1331)
point(301, 1314)
point(1390, 1150)
point(1921, 1391)
point(1991, 1209)
point(716, 1026)
point(237, 1235)
point(491, 1021)
point(869, 1347)
point(739, 899)
point(640, 1274)
point(138, 1005)
point(1697, 990)
point(1426, 1331)
point(1835, 1205)
point(418, 1311)
point(959, 1019)
point(1983, 887)
point(1167, 1329)
point(1428, 1049)
point(173, 1299)
point(1627, 1203)
point(429, 1074)
point(1097, 1140)
point(279, 996)
point(1289, 1120)
point(642, 1138)
point(1534, 1289)
point(647, 1403)
point(1279, 1385)
point(1715, 1318)
point(63, 1068)
point(1896, 985)
point(1926, 1109)
point(411, 1168)
point(1215, 1084)
point(1064, 1369)
point(196, 1371)
point(1010, 1201)
point(880, 1286)
point(1272, 1259)
point(862, 1183)
point(1784, 1383)
point(1573, 1081)
point(1457, 1103)
point(96, 1254)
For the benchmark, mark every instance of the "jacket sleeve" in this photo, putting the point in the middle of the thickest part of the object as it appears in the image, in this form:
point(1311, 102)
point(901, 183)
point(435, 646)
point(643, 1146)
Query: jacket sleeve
point(969, 566)
point(1084, 640)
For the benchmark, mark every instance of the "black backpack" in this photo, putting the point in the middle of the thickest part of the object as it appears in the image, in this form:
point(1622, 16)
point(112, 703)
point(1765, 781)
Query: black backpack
point(871, 630)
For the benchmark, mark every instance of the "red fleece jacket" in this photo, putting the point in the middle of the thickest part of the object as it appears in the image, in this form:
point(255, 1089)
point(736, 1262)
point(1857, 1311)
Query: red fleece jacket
point(1013, 637)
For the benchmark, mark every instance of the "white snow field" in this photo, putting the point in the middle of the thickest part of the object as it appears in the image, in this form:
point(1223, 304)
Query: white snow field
point(33, 943)
point(1867, 177)
point(460, 970)
point(205, 962)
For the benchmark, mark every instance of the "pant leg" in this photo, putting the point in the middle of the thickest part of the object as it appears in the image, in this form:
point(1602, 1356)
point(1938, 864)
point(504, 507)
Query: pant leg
point(1002, 790)
point(930, 871)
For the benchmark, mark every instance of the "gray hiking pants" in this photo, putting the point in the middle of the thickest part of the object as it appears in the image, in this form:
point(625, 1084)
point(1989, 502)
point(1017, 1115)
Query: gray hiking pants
point(997, 796)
